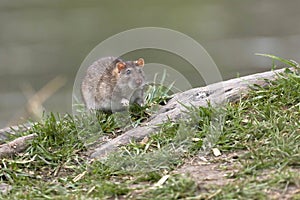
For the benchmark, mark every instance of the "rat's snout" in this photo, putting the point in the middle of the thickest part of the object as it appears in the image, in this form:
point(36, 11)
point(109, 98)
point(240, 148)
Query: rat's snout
point(139, 81)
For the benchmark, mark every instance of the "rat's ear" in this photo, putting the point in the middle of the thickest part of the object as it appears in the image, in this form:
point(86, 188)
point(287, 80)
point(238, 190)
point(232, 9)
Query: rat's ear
point(120, 66)
point(140, 62)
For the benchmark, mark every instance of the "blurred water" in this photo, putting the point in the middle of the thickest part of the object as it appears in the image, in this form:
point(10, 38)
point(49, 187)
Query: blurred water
point(40, 40)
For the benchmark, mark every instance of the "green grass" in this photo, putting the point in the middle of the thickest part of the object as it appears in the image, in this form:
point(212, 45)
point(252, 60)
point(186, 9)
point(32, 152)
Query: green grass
point(263, 128)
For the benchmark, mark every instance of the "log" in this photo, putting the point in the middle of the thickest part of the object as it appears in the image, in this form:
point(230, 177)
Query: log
point(217, 93)
point(16, 146)
point(5, 132)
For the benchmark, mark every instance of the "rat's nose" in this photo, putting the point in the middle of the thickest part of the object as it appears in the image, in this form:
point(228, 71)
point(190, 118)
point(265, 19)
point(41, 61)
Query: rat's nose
point(138, 81)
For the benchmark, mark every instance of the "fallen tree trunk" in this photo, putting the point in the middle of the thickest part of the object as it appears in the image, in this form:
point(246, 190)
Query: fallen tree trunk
point(217, 93)
point(16, 146)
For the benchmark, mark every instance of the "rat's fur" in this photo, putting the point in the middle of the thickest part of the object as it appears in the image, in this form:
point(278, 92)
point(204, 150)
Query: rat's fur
point(110, 84)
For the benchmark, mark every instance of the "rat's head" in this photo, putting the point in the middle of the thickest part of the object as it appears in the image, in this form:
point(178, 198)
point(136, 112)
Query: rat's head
point(130, 73)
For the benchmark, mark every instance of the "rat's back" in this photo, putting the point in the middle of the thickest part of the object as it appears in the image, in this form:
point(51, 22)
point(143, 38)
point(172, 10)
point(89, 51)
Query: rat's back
point(91, 80)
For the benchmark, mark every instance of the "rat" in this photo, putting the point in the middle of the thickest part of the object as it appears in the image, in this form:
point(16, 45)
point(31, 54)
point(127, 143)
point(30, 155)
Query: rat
point(111, 84)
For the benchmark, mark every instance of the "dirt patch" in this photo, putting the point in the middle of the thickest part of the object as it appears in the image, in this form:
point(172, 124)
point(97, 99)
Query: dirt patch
point(289, 191)
point(211, 170)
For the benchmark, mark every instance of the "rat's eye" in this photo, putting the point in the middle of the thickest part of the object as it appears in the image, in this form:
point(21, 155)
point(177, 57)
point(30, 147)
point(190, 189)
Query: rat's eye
point(128, 71)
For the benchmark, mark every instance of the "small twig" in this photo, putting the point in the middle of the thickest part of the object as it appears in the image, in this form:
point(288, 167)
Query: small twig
point(34, 105)
point(35, 100)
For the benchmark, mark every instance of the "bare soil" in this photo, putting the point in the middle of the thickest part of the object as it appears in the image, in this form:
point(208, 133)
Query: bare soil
point(210, 171)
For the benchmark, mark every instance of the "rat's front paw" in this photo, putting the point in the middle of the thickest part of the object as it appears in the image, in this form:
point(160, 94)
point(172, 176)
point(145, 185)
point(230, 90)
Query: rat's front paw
point(125, 102)
point(140, 102)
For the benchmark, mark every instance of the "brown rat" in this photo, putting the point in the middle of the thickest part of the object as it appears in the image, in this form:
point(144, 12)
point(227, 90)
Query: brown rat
point(111, 84)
